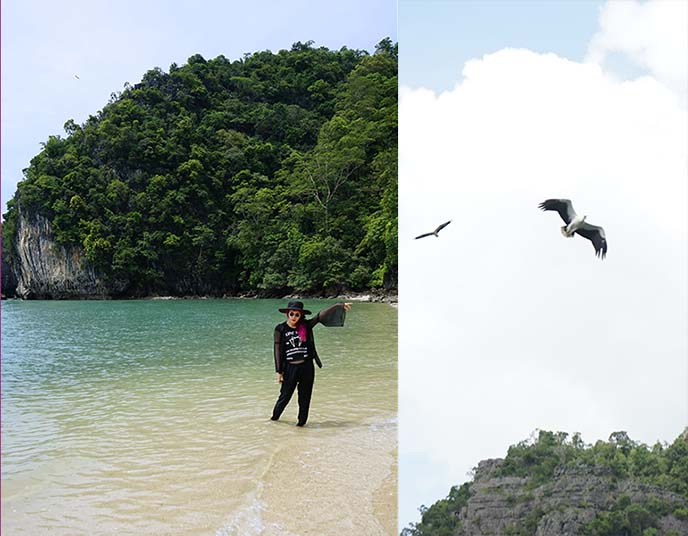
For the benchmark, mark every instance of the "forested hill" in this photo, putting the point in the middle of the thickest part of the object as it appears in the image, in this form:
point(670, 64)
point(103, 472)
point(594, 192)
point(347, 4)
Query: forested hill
point(555, 485)
point(275, 173)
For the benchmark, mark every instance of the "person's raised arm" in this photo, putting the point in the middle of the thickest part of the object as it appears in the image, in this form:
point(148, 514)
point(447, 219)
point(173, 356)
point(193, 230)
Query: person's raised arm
point(333, 316)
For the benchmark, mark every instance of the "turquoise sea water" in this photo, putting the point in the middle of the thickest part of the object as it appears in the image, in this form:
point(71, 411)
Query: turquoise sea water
point(152, 417)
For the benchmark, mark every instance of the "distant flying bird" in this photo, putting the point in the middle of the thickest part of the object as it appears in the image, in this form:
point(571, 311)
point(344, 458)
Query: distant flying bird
point(577, 224)
point(75, 76)
point(434, 233)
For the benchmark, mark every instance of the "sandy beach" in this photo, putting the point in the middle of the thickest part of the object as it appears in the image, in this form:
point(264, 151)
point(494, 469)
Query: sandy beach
point(323, 482)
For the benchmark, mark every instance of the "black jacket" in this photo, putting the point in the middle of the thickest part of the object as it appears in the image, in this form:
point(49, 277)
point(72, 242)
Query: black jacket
point(332, 316)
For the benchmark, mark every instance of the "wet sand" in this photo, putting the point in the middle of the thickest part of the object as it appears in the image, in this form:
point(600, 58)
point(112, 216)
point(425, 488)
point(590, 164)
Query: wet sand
point(326, 479)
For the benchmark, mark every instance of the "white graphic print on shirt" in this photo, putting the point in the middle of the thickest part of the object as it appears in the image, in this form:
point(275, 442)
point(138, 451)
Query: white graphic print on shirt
point(295, 348)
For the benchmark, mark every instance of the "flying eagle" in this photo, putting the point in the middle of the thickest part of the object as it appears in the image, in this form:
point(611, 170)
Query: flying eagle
point(434, 233)
point(577, 224)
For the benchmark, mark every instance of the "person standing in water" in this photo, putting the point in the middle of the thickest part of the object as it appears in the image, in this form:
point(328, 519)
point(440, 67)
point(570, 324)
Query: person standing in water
point(295, 352)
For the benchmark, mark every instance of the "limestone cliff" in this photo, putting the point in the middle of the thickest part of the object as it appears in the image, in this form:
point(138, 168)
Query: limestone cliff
point(554, 485)
point(565, 506)
point(39, 268)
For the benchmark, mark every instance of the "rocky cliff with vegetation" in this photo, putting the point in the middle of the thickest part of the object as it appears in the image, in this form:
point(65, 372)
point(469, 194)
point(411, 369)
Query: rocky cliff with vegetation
point(269, 175)
point(554, 485)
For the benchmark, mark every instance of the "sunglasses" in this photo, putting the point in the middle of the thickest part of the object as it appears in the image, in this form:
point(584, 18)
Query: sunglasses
point(295, 314)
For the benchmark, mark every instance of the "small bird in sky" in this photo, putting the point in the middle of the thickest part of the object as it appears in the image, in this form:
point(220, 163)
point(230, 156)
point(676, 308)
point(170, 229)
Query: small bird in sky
point(436, 231)
point(75, 76)
point(577, 224)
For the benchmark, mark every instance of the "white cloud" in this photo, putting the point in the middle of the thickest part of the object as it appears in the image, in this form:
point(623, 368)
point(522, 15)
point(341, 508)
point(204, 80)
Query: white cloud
point(506, 326)
point(653, 35)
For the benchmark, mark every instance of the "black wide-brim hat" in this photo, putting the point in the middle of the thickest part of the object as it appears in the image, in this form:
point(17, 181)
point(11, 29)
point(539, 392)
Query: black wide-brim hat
point(295, 306)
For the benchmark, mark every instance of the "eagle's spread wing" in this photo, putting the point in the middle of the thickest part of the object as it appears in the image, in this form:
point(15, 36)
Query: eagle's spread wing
point(442, 226)
point(595, 234)
point(424, 235)
point(562, 206)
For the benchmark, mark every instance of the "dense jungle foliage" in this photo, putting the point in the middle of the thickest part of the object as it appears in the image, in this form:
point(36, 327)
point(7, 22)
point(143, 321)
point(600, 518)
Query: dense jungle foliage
point(663, 466)
point(273, 173)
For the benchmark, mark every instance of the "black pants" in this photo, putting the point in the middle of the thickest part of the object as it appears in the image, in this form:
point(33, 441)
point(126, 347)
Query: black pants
point(301, 376)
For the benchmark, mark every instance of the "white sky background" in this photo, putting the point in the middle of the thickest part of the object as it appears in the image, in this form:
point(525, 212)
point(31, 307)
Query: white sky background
point(505, 326)
point(46, 43)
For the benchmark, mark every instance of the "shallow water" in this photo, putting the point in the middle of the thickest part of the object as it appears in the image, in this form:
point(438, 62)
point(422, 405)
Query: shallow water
point(152, 417)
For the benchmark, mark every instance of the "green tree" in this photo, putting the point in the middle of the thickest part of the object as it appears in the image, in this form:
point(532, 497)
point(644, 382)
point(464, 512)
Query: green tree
point(265, 174)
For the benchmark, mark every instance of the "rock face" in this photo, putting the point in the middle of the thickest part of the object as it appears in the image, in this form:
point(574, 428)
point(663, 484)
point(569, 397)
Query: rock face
point(562, 507)
point(40, 268)
point(9, 280)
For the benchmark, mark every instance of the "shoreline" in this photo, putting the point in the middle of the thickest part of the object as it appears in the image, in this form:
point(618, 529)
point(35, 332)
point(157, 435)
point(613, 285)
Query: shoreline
point(372, 296)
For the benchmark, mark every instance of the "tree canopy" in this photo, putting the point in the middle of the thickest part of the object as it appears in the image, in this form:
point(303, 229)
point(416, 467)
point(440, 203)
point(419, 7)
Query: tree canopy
point(273, 173)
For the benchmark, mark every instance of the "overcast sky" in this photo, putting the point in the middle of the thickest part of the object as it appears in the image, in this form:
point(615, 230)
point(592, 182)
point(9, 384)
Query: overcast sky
point(46, 45)
point(506, 326)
